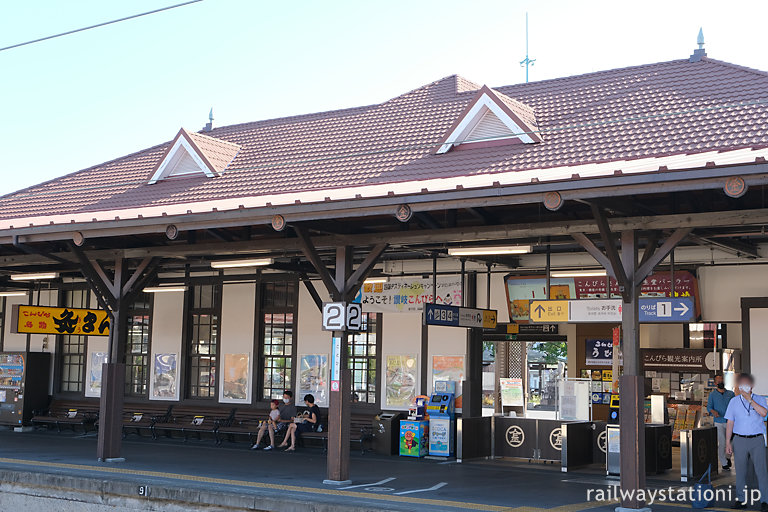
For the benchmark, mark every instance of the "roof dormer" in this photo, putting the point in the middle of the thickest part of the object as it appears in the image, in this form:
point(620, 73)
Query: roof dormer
point(491, 118)
point(193, 155)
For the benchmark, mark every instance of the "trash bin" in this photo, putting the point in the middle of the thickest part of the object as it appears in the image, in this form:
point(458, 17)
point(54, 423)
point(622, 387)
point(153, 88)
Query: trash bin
point(386, 433)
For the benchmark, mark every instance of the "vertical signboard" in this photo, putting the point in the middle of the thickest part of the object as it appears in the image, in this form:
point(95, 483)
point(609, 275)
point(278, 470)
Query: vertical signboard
point(335, 362)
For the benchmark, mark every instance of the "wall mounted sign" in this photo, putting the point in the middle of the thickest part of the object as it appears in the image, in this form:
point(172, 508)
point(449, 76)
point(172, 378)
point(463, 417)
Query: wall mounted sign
point(690, 360)
point(278, 222)
point(55, 320)
point(409, 294)
point(735, 187)
point(403, 213)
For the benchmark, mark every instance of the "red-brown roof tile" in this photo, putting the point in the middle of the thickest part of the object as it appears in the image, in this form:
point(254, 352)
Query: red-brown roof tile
point(654, 110)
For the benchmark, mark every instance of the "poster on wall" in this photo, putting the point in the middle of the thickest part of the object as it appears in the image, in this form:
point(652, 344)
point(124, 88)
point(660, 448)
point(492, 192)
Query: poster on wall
point(511, 392)
point(449, 368)
point(521, 290)
point(313, 377)
point(408, 295)
point(94, 376)
point(402, 379)
point(236, 382)
point(164, 376)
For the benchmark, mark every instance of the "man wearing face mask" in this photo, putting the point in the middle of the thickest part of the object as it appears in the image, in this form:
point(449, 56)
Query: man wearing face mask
point(716, 405)
point(287, 413)
point(744, 438)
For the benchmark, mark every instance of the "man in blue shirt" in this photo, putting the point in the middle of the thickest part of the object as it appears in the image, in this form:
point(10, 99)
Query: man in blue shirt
point(716, 405)
point(745, 415)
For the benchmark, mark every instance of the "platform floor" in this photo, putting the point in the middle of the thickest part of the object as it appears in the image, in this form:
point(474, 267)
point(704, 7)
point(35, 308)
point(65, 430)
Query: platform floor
point(378, 482)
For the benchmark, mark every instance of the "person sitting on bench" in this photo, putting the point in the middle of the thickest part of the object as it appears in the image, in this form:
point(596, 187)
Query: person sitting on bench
point(287, 413)
point(309, 423)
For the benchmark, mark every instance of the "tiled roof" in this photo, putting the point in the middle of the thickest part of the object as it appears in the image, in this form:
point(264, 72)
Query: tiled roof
point(656, 110)
point(218, 152)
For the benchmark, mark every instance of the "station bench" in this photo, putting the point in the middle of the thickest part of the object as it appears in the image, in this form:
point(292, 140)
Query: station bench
point(360, 431)
point(141, 417)
point(192, 419)
point(245, 422)
point(64, 413)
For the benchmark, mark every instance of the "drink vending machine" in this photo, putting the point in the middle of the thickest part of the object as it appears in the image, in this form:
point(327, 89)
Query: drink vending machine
point(441, 421)
point(24, 378)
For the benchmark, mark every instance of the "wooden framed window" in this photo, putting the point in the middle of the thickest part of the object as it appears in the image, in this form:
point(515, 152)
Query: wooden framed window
point(204, 317)
point(277, 316)
point(137, 347)
point(364, 360)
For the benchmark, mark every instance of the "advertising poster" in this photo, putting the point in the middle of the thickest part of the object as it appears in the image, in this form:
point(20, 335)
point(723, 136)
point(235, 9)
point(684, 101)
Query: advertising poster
point(236, 380)
point(402, 379)
point(599, 352)
point(449, 368)
point(94, 376)
point(520, 290)
point(164, 376)
point(511, 392)
point(313, 377)
point(408, 295)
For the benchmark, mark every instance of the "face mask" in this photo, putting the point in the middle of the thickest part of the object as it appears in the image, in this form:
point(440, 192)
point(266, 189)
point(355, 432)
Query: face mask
point(720, 385)
point(286, 400)
point(745, 388)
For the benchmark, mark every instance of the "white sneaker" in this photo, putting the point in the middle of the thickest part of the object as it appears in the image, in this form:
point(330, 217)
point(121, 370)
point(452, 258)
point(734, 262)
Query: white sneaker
point(255, 447)
point(267, 448)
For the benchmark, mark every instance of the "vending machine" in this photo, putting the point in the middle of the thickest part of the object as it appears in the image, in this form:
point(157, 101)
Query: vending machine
point(441, 413)
point(24, 379)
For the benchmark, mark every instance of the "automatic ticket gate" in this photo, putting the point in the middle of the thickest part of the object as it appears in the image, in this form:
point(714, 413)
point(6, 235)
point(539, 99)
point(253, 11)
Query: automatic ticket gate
point(658, 449)
point(698, 451)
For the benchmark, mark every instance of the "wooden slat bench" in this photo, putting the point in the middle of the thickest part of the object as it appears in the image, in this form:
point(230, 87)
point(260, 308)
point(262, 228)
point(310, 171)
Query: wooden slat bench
point(192, 419)
point(68, 413)
point(360, 431)
point(245, 422)
point(141, 417)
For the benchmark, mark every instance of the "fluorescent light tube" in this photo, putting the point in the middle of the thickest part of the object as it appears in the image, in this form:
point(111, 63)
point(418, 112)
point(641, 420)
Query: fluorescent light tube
point(490, 251)
point(253, 262)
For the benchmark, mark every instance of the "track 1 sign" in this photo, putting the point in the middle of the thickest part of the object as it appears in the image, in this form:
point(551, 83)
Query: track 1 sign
point(651, 310)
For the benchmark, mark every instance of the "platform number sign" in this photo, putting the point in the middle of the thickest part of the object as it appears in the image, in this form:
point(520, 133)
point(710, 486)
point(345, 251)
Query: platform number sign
point(340, 316)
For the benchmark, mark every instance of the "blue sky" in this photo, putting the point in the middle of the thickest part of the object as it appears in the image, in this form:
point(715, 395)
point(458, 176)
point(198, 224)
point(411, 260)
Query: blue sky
point(77, 101)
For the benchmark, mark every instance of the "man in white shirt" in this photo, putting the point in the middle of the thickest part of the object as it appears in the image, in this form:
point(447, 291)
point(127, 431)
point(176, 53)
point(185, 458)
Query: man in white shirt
point(745, 438)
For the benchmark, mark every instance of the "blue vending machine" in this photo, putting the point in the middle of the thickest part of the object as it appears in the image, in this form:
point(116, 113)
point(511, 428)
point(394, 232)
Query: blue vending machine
point(441, 417)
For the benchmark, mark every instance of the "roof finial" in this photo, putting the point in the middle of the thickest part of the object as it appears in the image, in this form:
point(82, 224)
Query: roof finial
point(699, 53)
point(209, 125)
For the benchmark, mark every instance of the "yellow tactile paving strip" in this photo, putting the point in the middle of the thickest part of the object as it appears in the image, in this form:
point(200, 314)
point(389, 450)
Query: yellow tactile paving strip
point(573, 507)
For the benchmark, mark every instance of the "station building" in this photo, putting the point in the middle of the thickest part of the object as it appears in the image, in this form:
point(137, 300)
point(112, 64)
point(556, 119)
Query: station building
point(214, 251)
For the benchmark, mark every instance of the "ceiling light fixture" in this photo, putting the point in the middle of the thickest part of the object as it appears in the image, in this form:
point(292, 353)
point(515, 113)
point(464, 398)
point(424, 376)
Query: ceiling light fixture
point(579, 273)
point(34, 276)
point(490, 251)
point(376, 280)
point(253, 262)
point(162, 289)
point(13, 294)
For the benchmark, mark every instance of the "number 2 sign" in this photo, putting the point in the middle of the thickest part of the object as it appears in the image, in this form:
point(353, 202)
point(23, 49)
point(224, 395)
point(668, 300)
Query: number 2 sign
point(340, 316)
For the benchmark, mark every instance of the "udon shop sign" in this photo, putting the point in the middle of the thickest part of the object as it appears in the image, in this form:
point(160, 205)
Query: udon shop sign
point(55, 320)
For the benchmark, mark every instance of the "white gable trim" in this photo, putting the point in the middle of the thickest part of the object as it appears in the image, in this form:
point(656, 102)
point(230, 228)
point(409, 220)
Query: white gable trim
point(475, 114)
point(166, 169)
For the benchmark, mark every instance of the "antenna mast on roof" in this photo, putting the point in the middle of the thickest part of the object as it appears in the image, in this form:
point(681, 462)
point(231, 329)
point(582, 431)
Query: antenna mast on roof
point(527, 61)
point(209, 125)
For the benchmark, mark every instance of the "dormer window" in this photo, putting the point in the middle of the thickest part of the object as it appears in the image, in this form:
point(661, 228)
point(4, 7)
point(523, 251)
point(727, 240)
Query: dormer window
point(194, 155)
point(491, 118)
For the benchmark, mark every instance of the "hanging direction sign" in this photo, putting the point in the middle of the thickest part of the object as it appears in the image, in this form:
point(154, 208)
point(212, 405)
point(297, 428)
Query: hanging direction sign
point(455, 316)
point(651, 310)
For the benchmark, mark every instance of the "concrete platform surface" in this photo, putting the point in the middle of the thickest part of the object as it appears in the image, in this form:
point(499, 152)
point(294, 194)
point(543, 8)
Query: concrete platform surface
point(169, 474)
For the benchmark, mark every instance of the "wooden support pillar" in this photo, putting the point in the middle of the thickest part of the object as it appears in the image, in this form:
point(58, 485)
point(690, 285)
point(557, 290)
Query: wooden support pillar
point(630, 274)
point(472, 387)
point(342, 286)
point(115, 294)
point(632, 394)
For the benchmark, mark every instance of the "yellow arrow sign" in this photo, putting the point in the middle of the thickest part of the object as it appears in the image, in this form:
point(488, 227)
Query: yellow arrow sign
point(548, 311)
